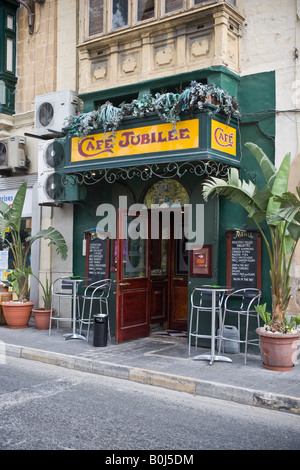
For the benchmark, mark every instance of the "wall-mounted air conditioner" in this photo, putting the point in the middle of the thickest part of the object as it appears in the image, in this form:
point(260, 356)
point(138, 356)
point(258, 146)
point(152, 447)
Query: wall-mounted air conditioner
point(53, 185)
point(13, 154)
point(51, 188)
point(51, 111)
point(50, 158)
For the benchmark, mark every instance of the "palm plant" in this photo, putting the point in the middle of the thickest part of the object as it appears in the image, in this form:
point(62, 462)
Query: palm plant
point(17, 279)
point(279, 209)
point(10, 220)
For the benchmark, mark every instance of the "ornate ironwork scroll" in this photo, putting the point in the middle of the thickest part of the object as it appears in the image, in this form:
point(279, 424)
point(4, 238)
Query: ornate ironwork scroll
point(145, 172)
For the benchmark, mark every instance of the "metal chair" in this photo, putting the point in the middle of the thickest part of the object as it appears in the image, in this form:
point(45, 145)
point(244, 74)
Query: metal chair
point(62, 288)
point(201, 302)
point(241, 302)
point(98, 291)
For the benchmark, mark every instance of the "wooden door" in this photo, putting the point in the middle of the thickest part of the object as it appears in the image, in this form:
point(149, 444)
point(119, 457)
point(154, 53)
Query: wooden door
point(178, 284)
point(159, 297)
point(132, 306)
point(169, 279)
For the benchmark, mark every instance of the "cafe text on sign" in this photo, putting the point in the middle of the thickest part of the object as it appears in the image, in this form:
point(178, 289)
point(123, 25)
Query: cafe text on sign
point(158, 138)
point(223, 137)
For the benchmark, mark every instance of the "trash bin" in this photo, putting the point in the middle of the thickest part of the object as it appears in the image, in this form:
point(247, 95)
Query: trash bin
point(100, 330)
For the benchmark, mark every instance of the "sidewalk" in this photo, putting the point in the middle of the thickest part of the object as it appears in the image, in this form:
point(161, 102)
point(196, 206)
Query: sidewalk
point(163, 361)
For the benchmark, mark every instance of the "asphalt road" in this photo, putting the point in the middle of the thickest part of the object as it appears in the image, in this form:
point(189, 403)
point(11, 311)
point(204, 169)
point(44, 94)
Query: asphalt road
point(52, 408)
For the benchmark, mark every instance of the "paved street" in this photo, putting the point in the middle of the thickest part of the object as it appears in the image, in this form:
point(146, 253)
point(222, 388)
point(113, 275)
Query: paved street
point(161, 361)
point(43, 406)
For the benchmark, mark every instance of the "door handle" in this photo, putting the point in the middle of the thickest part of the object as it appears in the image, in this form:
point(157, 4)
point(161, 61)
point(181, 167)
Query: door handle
point(178, 279)
point(124, 284)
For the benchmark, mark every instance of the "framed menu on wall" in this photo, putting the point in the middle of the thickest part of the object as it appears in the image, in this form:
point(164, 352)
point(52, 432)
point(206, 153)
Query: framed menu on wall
point(97, 257)
point(243, 259)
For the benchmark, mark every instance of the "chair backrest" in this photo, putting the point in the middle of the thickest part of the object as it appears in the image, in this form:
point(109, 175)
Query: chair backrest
point(99, 288)
point(203, 299)
point(66, 286)
point(62, 285)
point(244, 298)
point(106, 288)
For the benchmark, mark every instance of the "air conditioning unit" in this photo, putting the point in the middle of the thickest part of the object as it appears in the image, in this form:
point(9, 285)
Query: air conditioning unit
point(50, 188)
point(50, 158)
point(51, 111)
point(53, 185)
point(13, 154)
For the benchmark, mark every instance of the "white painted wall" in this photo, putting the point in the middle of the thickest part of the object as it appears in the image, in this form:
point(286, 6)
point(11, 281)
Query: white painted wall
point(271, 41)
point(271, 31)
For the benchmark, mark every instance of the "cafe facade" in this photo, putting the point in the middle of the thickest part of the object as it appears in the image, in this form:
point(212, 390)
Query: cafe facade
point(139, 216)
point(150, 157)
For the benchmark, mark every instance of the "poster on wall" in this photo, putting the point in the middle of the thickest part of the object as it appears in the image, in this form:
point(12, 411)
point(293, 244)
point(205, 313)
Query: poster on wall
point(8, 196)
point(201, 262)
point(243, 259)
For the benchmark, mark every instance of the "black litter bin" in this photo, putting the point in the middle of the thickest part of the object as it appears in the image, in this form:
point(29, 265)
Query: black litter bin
point(100, 330)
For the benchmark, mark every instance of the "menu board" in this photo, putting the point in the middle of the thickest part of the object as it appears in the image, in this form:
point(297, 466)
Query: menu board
point(243, 259)
point(97, 258)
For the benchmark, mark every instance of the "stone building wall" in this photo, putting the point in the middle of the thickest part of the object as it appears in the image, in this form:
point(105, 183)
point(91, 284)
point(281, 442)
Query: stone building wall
point(36, 55)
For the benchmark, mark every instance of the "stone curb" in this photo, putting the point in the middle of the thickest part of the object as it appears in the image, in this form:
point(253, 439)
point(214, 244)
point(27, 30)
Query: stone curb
point(170, 381)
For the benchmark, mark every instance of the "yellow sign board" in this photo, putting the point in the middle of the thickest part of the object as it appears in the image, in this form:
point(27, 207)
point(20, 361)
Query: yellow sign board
point(223, 137)
point(158, 138)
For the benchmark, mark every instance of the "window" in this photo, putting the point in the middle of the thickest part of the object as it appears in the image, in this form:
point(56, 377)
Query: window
point(106, 16)
point(145, 10)
point(173, 5)
point(119, 14)
point(10, 22)
point(9, 54)
point(95, 17)
point(232, 2)
point(199, 2)
point(8, 78)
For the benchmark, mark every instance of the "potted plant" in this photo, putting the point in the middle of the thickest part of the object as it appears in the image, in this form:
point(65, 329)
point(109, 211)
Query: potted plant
point(17, 313)
point(41, 314)
point(276, 213)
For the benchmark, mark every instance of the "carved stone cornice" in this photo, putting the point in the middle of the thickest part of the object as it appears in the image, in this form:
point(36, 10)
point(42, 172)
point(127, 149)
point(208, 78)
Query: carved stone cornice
point(6, 125)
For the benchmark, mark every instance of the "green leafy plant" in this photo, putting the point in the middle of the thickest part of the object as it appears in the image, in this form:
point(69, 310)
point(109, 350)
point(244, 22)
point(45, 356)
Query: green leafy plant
point(265, 316)
point(168, 106)
point(294, 322)
point(10, 222)
point(276, 208)
point(46, 293)
point(18, 275)
point(288, 323)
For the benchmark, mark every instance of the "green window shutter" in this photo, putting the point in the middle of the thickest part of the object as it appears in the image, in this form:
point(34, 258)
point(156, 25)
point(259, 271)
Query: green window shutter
point(8, 78)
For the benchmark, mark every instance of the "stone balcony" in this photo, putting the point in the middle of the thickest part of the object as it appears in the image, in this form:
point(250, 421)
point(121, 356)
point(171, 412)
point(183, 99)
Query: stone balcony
point(193, 40)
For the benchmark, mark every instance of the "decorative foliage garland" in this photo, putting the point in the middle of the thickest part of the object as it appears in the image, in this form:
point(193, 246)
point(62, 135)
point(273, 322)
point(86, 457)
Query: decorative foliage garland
point(168, 106)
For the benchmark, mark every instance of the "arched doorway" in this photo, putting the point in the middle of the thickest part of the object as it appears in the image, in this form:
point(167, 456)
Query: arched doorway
point(168, 192)
point(168, 256)
point(152, 270)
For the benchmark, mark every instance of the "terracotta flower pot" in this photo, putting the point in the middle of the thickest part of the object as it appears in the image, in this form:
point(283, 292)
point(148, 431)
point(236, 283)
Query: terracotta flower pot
point(4, 297)
point(42, 318)
point(17, 314)
point(278, 351)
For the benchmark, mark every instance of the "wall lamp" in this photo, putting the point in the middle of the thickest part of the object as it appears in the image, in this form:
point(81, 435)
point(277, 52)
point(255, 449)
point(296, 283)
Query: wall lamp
point(31, 12)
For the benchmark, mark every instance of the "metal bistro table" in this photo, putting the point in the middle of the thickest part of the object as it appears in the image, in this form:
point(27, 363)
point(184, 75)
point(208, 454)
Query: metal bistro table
point(75, 280)
point(212, 357)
